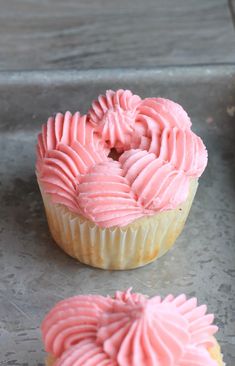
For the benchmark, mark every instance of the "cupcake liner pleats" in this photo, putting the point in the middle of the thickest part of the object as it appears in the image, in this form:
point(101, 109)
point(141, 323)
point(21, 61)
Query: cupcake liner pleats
point(132, 246)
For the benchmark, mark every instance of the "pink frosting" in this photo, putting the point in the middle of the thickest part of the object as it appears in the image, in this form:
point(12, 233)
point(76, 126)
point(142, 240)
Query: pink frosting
point(159, 154)
point(113, 115)
point(153, 180)
point(129, 330)
point(107, 197)
point(156, 114)
point(67, 148)
point(184, 150)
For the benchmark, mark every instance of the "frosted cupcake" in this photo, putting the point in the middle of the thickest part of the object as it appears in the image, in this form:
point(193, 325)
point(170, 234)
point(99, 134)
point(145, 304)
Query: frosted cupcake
point(118, 183)
point(130, 330)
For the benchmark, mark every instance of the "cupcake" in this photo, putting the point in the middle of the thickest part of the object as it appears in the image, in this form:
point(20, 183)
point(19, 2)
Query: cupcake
point(118, 183)
point(130, 329)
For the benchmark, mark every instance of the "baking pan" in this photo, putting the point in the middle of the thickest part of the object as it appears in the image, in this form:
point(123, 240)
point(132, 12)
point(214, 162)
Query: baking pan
point(35, 273)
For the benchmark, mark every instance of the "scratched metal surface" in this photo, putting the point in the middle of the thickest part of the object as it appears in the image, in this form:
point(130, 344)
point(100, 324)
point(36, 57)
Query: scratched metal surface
point(88, 34)
point(35, 273)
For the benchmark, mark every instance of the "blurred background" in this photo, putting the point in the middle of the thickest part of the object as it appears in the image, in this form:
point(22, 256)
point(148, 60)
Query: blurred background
point(89, 34)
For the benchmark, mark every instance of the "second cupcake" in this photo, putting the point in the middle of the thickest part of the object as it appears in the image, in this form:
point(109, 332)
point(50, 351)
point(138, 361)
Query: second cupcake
point(130, 329)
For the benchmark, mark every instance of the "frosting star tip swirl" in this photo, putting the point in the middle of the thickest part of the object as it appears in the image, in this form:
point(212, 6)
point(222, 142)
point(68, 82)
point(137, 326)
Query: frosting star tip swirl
point(129, 329)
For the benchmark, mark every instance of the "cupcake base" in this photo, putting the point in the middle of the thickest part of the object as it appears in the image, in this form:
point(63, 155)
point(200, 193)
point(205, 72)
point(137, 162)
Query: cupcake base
point(134, 245)
point(215, 353)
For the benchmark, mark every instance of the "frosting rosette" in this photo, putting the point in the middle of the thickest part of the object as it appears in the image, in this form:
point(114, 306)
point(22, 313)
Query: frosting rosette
point(128, 330)
point(113, 115)
point(157, 155)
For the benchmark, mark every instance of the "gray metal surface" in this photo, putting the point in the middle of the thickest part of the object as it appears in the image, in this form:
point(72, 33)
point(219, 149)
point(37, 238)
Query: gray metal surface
point(35, 273)
point(88, 34)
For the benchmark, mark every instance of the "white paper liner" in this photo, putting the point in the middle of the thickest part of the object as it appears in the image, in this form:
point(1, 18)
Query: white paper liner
point(127, 247)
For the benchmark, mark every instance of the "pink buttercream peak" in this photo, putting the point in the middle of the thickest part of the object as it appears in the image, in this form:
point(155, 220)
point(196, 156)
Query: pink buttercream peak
point(156, 151)
point(128, 330)
point(113, 115)
point(127, 296)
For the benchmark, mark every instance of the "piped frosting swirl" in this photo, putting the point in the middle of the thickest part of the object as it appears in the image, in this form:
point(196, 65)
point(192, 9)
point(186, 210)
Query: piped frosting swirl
point(129, 330)
point(113, 116)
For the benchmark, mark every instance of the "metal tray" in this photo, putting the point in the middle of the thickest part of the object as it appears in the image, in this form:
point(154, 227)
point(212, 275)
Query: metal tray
point(35, 273)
